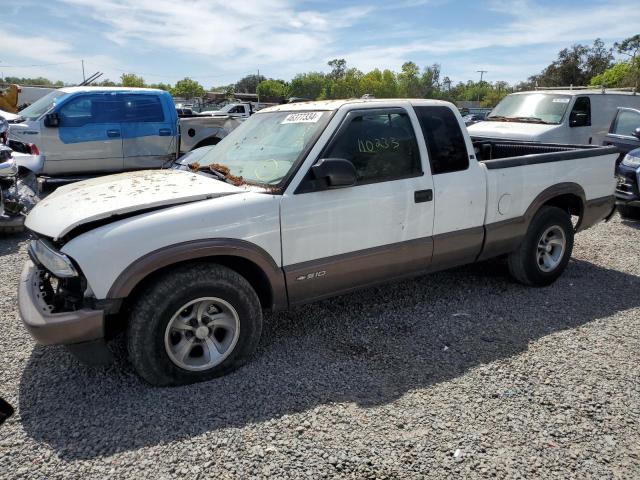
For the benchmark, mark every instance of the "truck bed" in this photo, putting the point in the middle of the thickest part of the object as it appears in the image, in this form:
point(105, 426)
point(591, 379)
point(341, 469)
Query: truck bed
point(504, 154)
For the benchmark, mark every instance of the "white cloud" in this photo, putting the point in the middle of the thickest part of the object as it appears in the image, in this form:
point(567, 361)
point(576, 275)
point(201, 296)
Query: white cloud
point(40, 56)
point(254, 32)
point(528, 25)
point(283, 37)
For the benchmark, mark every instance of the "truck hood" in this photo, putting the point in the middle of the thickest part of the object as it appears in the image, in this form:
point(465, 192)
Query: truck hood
point(531, 132)
point(117, 195)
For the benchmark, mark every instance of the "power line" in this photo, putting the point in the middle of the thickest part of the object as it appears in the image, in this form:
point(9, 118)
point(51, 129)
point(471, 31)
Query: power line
point(143, 74)
point(39, 65)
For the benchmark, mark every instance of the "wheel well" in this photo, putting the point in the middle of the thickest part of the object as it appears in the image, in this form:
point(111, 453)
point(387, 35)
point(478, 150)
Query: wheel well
point(249, 270)
point(207, 141)
point(570, 203)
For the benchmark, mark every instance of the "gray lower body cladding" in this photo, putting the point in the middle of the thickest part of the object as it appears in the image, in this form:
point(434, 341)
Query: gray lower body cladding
point(339, 274)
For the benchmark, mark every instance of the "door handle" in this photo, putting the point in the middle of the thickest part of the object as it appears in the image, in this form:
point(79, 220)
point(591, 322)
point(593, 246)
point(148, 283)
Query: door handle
point(113, 133)
point(164, 132)
point(421, 196)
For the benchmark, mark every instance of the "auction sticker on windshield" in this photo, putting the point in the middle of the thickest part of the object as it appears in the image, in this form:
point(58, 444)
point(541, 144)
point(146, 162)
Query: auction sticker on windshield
point(560, 100)
point(302, 117)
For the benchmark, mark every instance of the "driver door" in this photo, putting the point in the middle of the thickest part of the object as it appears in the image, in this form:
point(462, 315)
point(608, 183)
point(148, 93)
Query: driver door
point(334, 240)
point(88, 138)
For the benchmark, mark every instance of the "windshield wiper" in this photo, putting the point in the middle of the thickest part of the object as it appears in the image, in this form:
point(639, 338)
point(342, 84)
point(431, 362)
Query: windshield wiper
point(502, 118)
point(216, 173)
point(530, 120)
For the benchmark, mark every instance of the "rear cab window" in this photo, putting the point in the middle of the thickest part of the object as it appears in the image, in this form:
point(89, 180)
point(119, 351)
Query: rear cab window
point(444, 138)
point(142, 108)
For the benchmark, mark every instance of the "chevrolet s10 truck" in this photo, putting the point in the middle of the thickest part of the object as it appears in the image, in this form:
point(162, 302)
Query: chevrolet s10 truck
point(301, 202)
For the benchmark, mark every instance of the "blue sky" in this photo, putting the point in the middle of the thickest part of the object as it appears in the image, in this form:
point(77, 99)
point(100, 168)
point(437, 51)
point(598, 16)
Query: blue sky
point(217, 42)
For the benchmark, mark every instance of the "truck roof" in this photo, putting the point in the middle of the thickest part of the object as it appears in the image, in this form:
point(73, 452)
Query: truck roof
point(106, 89)
point(584, 91)
point(336, 104)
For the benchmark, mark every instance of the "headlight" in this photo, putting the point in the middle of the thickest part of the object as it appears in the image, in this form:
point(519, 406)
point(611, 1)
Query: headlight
point(57, 263)
point(630, 161)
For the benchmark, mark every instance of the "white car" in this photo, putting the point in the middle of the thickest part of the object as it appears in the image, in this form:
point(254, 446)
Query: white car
point(301, 202)
point(575, 117)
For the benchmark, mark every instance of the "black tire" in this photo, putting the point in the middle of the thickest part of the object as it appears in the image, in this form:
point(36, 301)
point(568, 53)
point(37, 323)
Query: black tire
point(11, 230)
point(208, 142)
point(155, 307)
point(523, 263)
point(632, 213)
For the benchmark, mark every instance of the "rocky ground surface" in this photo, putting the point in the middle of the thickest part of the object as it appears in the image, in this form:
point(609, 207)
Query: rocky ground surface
point(457, 374)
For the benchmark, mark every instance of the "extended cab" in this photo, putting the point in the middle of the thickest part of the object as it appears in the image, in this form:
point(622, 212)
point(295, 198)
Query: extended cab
point(303, 201)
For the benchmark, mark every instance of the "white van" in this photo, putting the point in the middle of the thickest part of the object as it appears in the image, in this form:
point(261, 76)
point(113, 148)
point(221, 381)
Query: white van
point(573, 117)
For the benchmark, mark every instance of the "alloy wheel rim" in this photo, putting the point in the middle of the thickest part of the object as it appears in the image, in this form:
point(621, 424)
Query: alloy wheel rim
point(202, 333)
point(551, 247)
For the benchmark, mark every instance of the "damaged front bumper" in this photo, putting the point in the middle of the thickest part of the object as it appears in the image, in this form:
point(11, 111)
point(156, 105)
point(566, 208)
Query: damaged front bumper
point(47, 327)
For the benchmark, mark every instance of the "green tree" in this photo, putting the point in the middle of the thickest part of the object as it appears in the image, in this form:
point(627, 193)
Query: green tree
point(430, 82)
point(575, 66)
point(105, 83)
point(371, 83)
point(131, 80)
point(272, 91)
point(388, 85)
point(38, 81)
point(161, 86)
point(409, 81)
point(249, 83)
point(348, 86)
point(308, 85)
point(631, 48)
point(338, 68)
point(620, 75)
point(187, 88)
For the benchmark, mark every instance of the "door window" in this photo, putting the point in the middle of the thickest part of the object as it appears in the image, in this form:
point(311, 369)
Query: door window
point(142, 108)
point(86, 109)
point(626, 123)
point(580, 108)
point(381, 145)
point(445, 142)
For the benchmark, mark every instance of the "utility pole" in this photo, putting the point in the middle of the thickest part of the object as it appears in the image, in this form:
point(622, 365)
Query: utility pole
point(84, 79)
point(481, 72)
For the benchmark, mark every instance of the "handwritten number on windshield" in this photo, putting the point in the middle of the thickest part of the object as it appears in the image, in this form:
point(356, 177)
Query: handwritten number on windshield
point(377, 144)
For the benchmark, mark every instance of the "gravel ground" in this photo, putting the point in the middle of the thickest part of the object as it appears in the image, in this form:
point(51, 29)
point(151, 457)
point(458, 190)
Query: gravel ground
point(457, 374)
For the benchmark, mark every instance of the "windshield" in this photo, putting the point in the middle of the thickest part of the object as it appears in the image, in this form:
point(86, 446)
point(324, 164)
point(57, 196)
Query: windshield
point(40, 106)
point(535, 107)
point(265, 147)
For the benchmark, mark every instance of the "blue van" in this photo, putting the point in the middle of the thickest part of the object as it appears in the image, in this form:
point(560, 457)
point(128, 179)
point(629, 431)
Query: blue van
point(88, 130)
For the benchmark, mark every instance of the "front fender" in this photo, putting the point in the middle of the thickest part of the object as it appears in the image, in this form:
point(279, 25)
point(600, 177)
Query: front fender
point(203, 249)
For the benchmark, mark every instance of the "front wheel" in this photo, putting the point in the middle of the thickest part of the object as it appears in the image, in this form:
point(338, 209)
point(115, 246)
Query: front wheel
point(545, 250)
point(193, 324)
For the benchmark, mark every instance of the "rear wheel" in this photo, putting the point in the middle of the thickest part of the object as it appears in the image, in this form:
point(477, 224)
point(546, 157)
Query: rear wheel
point(193, 324)
point(545, 250)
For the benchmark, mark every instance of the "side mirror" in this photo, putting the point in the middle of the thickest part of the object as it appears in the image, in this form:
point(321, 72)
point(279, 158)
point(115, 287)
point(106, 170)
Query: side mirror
point(636, 133)
point(336, 172)
point(51, 120)
point(578, 119)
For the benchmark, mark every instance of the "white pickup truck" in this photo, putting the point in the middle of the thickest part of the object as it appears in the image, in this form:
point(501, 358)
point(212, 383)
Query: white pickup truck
point(301, 202)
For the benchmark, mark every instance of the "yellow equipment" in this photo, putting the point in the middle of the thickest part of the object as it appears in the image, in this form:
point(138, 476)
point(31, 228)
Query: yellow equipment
point(9, 99)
